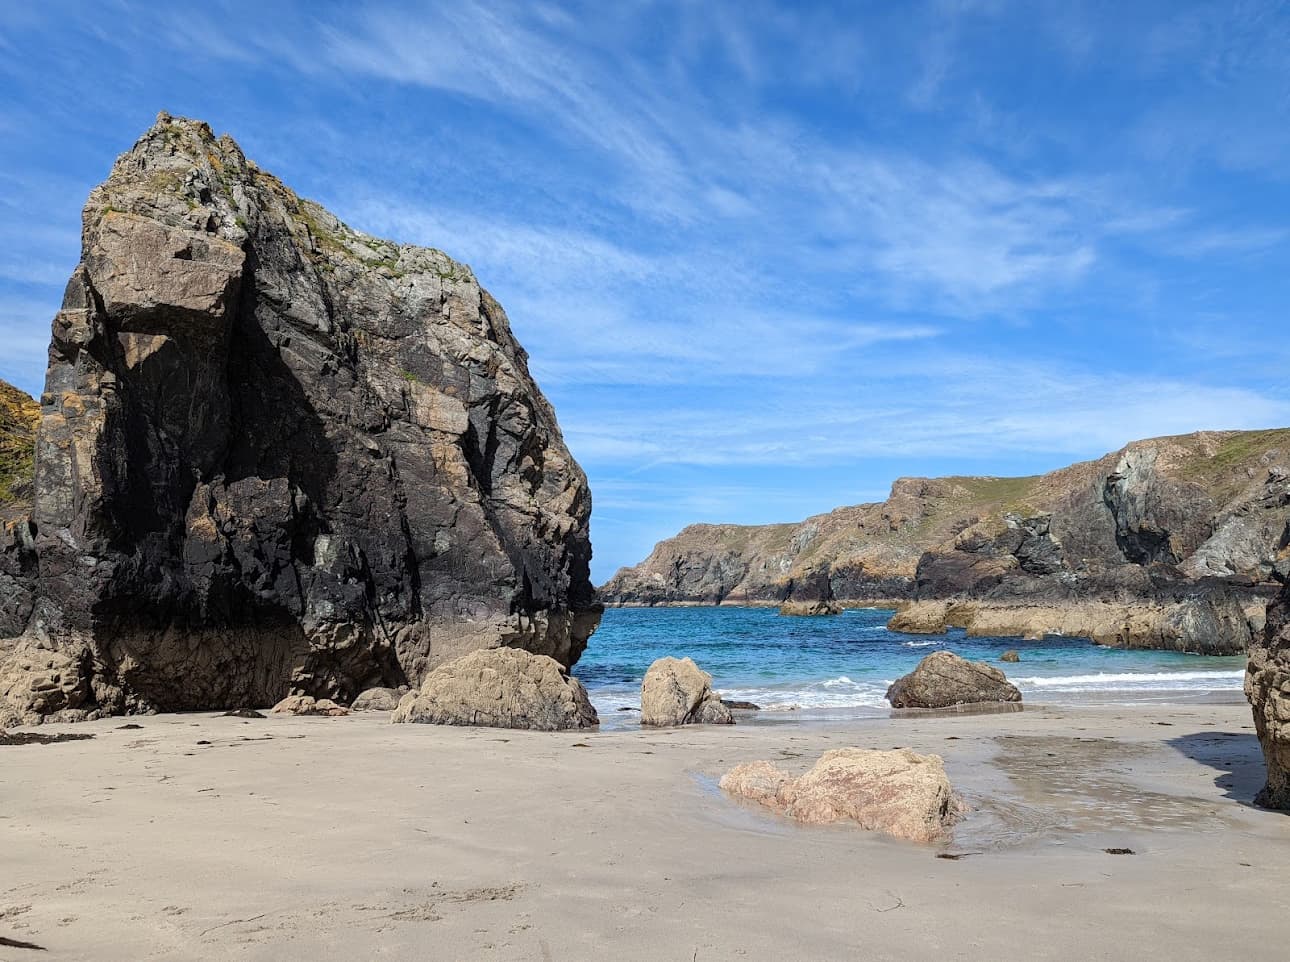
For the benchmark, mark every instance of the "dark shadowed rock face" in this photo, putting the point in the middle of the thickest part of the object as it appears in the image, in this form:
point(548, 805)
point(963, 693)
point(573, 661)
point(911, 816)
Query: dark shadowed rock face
point(278, 455)
point(1267, 686)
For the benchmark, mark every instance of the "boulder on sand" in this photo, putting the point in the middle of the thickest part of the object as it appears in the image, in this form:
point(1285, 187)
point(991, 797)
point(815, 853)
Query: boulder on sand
point(308, 705)
point(500, 688)
point(676, 691)
point(943, 679)
point(898, 792)
point(378, 699)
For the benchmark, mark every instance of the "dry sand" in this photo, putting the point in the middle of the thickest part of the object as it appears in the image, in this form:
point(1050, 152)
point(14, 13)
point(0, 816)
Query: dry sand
point(201, 837)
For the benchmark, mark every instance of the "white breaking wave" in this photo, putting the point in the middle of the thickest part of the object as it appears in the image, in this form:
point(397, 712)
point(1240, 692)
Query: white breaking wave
point(844, 692)
point(840, 692)
point(922, 644)
point(1108, 681)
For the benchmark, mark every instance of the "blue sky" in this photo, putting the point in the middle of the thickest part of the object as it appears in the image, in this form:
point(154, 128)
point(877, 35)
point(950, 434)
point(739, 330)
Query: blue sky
point(765, 257)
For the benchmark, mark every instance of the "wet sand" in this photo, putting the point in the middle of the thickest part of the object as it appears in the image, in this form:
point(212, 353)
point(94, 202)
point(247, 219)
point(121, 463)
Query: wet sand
point(201, 837)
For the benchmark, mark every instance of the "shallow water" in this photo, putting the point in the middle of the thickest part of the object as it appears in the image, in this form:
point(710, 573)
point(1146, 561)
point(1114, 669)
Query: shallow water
point(840, 666)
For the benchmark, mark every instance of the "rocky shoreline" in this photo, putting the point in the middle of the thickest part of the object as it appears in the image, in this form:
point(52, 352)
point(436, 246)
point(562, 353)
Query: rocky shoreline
point(1167, 543)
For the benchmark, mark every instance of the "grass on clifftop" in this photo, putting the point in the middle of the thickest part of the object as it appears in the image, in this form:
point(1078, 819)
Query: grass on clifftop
point(19, 415)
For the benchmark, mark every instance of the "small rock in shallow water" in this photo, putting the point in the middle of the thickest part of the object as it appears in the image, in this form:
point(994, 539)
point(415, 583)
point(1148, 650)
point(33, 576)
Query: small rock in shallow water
point(943, 680)
point(1010, 655)
point(740, 705)
point(676, 691)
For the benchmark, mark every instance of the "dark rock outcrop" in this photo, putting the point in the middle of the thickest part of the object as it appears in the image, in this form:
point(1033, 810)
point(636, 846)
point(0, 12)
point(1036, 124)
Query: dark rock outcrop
point(277, 455)
point(500, 688)
point(1267, 686)
point(943, 680)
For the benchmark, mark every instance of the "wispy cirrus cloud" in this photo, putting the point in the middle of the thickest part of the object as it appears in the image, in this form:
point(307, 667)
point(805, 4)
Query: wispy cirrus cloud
point(755, 246)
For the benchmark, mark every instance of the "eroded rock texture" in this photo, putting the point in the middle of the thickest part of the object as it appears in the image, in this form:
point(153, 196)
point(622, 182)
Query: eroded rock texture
point(503, 688)
point(1267, 686)
point(278, 455)
point(943, 680)
point(676, 691)
point(898, 792)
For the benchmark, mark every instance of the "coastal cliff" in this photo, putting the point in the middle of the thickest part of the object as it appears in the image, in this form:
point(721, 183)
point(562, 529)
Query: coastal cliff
point(1166, 543)
point(276, 455)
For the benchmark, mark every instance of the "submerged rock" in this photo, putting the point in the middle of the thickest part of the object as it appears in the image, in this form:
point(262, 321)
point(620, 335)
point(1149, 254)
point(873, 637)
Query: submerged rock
point(277, 455)
point(500, 688)
point(1010, 655)
point(736, 705)
point(807, 609)
point(1267, 686)
point(943, 680)
point(899, 793)
point(676, 691)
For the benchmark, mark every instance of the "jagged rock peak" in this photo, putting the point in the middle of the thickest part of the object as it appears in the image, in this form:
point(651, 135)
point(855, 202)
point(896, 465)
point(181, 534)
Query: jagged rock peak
point(275, 455)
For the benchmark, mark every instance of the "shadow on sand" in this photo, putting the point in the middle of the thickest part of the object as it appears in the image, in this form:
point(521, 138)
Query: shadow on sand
point(1236, 756)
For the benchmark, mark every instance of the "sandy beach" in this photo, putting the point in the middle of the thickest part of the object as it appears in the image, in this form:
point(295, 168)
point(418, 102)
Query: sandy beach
point(202, 837)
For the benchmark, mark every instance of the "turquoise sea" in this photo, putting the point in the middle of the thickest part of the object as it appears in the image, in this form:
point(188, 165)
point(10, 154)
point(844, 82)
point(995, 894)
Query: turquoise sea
point(841, 666)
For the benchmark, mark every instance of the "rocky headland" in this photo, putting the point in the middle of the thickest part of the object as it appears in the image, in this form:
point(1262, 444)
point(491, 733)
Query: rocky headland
point(274, 455)
point(1166, 543)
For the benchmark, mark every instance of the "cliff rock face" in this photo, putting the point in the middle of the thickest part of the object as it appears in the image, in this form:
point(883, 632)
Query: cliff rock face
point(1190, 526)
point(19, 416)
point(1267, 686)
point(276, 454)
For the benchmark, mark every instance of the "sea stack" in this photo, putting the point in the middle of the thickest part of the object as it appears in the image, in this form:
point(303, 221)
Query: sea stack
point(1267, 685)
point(278, 456)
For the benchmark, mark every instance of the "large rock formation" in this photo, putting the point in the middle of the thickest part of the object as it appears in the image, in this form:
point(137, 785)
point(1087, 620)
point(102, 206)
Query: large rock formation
point(277, 455)
point(676, 691)
point(944, 680)
point(897, 792)
point(500, 688)
point(1180, 532)
point(1267, 686)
